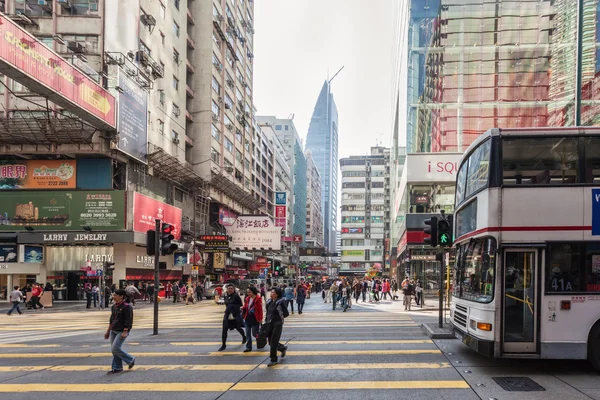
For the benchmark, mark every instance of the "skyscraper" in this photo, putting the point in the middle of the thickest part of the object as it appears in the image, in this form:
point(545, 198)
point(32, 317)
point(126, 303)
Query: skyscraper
point(322, 141)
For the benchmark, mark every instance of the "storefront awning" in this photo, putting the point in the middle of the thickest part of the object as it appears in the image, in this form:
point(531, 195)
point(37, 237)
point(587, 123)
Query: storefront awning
point(8, 237)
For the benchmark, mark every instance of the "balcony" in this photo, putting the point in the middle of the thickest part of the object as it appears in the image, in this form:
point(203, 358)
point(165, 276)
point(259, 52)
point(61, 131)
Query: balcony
point(189, 92)
point(190, 18)
point(190, 67)
point(190, 43)
point(188, 116)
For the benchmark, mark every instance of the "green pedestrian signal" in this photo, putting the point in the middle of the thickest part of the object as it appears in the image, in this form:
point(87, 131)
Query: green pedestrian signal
point(443, 239)
point(444, 230)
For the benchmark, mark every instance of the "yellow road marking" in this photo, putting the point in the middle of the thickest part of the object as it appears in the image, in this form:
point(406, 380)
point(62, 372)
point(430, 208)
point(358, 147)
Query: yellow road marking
point(329, 352)
point(100, 368)
point(319, 342)
point(20, 345)
point(114, 387)
point(82, 355)
point(359, 366)
point(350, 385)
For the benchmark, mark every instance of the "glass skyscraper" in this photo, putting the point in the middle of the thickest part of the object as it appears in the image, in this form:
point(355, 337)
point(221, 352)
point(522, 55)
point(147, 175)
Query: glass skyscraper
point(322, 141)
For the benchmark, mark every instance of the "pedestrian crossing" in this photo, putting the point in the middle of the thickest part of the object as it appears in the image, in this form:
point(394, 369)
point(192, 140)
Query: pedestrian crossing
point(329, 353)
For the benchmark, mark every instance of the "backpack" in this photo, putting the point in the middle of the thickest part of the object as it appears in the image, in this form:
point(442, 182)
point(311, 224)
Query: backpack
point(410, 288)
point(284, 308)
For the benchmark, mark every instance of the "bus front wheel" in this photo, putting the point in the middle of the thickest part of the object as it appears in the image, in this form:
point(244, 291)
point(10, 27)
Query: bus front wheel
point(594, 346)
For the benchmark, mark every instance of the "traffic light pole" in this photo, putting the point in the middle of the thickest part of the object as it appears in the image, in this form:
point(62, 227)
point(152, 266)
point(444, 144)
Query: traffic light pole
point(441, 292)
point(156, 274)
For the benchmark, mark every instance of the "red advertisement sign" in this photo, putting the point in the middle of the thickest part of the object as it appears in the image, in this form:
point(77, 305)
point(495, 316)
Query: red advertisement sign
point(31, 63)
point(146, 210)
point(280, 222)
point(297, 238)
point(280, 211)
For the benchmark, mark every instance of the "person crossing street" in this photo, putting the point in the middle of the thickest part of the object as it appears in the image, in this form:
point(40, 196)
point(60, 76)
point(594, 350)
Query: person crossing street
point(120, 324)
point(16, 297)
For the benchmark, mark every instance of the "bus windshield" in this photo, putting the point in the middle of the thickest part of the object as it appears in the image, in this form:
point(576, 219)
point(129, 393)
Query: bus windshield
point(474, 173)
point(475, 270)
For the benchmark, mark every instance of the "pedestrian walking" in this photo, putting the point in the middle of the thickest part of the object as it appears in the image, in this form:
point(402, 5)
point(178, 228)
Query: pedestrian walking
point(96, 295)
point(232, 318)
point(345, 293)
point(288, 293)
point(218, 293)
point(252, 313)
point(16, 297)
point(190, 295)
point(36, 294)
point(419, 294)
point(120, 323)
point(168, 290)
point(407, 291)
point(182, 292)
point(385, 288)
point(150, 290)
point(130, 292)
point(199, 292)
point(276, 313)
point(300, 298)
point(357, 290)
point(376, 291)
point(107, 296)
point(333, 294)
point(88, 295)
point(175, 289)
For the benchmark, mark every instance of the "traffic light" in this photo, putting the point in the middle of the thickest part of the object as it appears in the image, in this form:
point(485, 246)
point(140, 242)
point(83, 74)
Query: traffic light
point(109, 267)
point(431, 229)
point(166, 236)
point(150, 239)
point(277, 267)
point(444, 231)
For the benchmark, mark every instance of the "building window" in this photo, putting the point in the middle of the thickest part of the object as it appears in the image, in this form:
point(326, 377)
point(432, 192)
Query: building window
point(238, 135)
point(176, 28)
point(215, 133)
point(228, 101)
point(216, 86)
point(239, 156)
point(176, 56)
point(277, 127)
point(228, 145)
point(228, 122)
point(229, 58)
point(161, 127)
point(162, 10)
point(83, 7)
point(247, 164)
point(216, 109)
point(175, 111)
point(175, 83)
point(89, 43)
point(174, 136)
point(215, 156)
point(176, 3)
point(178, 195)
point(162, 38)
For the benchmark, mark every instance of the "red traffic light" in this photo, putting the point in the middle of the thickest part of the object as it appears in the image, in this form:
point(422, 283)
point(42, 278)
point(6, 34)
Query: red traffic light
point(167, 228)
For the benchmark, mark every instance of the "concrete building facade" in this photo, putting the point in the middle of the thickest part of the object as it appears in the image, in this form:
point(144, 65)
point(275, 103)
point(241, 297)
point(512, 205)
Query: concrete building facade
point(314, 214)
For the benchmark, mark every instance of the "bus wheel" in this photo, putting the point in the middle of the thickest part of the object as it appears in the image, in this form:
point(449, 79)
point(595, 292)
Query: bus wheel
point(594, 347)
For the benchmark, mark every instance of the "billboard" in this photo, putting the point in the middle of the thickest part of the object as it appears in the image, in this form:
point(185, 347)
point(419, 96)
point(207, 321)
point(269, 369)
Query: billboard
point(281, 198)
point(215, 243)
point(33, 254)
point(101, 210)
point(226, 217)
point(38, 174)
point(132, 118)
point(29, 62)
point(146, 210)
point(254, 232)
point(9, 253)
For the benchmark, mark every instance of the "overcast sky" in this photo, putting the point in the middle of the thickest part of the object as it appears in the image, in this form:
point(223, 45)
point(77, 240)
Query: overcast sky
point(298, 42)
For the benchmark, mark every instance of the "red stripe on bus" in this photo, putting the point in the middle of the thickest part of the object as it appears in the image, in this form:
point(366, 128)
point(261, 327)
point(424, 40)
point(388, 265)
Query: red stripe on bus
point(525, 229)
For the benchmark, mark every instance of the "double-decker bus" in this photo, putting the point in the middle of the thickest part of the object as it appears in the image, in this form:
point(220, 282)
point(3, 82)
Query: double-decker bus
point(527, 241)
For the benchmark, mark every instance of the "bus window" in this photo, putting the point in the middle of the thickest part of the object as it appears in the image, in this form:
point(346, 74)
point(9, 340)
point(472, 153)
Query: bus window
point(540, 161)
point(479, 168)
point(563, 268)
point(592, 160)
point(592, 268)
point(476, 272)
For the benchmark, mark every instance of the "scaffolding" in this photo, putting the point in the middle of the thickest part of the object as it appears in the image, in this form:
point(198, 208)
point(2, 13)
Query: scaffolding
point(44, 130)
point(232, 190)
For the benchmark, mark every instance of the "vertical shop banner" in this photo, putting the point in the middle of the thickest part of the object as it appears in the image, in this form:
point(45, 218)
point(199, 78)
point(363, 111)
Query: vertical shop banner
point(132, 118)
point(226, 217)
point(146, 210)
point(101, 210)
point(219, 261)
point(28, 61)
point(38, 174)
point(281, 198)
point(280, 216)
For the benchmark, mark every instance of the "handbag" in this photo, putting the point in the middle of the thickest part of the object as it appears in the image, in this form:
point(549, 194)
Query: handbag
point(263, 334)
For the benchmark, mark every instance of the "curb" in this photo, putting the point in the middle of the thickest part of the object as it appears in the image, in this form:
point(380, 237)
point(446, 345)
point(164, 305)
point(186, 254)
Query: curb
point(434, 331)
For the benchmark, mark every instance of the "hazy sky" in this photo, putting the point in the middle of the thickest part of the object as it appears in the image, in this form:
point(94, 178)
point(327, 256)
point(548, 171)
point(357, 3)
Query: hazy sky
point(296, 44)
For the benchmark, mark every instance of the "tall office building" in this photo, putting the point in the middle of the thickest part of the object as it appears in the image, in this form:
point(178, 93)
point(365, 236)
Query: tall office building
point(322, 141)
point(365, 182)
point(314, 199)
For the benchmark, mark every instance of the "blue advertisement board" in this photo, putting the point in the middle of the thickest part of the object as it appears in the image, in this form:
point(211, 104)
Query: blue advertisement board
point(595, 212)
point(8, 253)
point(34, 254)
point(280, 198)
point(132, 118)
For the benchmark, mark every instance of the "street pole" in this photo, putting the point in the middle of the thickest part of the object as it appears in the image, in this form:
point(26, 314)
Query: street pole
point(578, 77)
point(156, 281)
point(441, 293)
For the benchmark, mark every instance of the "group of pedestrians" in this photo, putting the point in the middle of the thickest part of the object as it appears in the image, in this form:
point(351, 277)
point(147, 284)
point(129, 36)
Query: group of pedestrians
point(19, 295)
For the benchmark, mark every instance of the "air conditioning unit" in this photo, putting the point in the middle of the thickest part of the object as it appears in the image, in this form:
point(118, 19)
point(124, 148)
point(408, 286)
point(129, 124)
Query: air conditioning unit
point(176, 111)
point(221, 100)
point(215, 117)
point(176, 140)
point(75, 47)
point(147, 20)
point(227, 106)
point(218, 66)
point(230, 83)
point(230, 127)
point(220, 18)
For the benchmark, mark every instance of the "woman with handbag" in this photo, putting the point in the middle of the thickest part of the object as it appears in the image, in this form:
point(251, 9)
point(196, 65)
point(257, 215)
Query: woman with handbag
point(276, 312)
point(300, 298)
point(252, 313)
point(232, 319)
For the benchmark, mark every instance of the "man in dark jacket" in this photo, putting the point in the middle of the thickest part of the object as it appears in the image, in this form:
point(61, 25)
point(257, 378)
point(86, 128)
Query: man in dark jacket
point(232, 319)
point(121, 320)
point(276, 312)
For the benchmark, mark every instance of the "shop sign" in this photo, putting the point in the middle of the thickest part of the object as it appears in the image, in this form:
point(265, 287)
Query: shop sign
point(38, 174)
point(219, 261)
point(226, 217)
point(33, 64)
point(146, 210)
point(9, 253)
point(99, 258)
point(75, 238)
point(148, 261)
point(63, 210)
point(215, 243)
point(422, 257)
point(353, 253)
point(132, 121)
point(281, 198)
point(254, 233)
point(432, 167)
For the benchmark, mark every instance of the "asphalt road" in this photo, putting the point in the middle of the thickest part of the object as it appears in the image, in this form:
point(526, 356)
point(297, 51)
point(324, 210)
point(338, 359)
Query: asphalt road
point(370, 352)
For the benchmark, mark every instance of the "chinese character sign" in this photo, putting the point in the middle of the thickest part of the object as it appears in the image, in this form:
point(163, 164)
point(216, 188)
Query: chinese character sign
point(280, 198)
point(254, 232)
